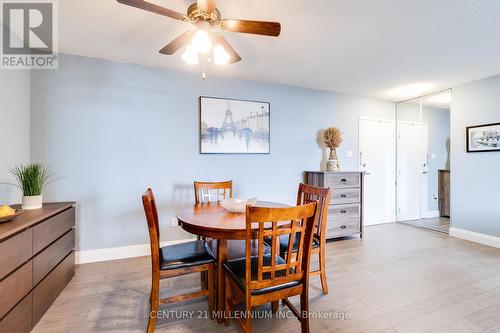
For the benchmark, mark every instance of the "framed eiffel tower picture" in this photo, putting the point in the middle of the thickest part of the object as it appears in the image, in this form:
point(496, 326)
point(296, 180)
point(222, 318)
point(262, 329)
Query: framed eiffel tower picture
point(232, 126)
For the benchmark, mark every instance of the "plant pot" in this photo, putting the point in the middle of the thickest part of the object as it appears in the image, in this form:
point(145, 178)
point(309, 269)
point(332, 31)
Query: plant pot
point(32, 202)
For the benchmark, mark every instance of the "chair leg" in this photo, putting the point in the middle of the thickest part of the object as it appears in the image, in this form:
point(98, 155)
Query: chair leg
point(211, 291)
point(274, 306)
point(153, 305)
point(248, 316)
point(322, 268)
point(304, 308)
point(203, 280)
point(227, 308)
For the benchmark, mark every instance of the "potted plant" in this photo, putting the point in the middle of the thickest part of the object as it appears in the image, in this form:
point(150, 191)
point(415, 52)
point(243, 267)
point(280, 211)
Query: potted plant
point(31, 179)
point(332, 138)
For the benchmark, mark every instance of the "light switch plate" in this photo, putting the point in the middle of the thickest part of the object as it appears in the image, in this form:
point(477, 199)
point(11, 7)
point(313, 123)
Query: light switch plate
point(349, 153)
point(174, 222)
point(433, 156)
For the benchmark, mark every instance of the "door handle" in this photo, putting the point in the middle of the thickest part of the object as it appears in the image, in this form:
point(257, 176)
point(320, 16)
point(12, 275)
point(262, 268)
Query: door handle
point(425, 172)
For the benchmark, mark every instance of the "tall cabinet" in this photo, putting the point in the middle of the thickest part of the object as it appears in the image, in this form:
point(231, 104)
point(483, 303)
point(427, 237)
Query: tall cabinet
point(345, 213)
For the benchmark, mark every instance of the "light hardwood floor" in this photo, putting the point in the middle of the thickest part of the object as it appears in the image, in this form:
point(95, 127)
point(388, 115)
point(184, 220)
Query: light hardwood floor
point(397, 279)
point(441, 224)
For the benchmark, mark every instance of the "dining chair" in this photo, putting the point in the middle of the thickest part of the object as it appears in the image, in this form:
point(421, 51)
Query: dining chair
point(263, 278)
point(306, 194)
point(174, 260)
point(208, 191)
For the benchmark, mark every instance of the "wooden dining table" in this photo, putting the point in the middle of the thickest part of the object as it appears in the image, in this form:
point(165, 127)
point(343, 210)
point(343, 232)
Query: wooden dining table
point(213, 221)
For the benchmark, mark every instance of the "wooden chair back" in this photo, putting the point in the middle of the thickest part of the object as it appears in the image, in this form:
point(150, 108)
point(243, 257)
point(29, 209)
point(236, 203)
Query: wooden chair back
point(212, 191)
point(151, 211)
point(307, 194)
point(273, 223)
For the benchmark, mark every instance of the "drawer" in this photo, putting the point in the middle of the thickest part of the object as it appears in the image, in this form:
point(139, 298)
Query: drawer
point(19, 318)
point(340, 212)
point(342, 180)
point(53, 228)
point(46, 260)
point(14, 252)
point(14, 287)
point(47, 291)
point(343, 196)
point(343, 228)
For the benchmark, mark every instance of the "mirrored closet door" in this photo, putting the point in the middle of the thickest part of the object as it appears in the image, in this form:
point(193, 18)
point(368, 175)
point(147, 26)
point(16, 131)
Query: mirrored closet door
point(423, 171)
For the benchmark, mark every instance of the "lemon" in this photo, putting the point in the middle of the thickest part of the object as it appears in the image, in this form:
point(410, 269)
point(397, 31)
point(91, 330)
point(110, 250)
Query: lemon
point(6, 211)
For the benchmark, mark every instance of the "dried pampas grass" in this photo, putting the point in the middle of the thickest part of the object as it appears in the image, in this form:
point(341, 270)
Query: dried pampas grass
point(332, 137)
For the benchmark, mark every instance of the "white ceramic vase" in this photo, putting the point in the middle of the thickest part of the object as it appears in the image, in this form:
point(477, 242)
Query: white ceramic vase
point(332, 165)
point(32, 202)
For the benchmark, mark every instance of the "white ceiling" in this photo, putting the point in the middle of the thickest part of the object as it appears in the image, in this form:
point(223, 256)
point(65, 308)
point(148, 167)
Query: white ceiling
point(361, 47)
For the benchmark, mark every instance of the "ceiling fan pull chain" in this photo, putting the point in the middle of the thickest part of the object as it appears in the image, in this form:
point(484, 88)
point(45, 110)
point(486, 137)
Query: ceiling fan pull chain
point(203, 67)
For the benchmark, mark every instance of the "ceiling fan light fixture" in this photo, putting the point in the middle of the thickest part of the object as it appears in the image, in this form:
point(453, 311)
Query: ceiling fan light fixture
point(190, 56)
point(221, 57)
point(201, 41)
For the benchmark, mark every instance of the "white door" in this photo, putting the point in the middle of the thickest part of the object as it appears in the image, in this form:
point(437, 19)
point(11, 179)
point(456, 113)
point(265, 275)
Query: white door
point(412, 170)
point(377, 147)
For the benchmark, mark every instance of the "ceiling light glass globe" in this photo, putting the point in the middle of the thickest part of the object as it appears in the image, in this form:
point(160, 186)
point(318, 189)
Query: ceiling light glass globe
point(190, 56)
point(201, 41)
point(221, 56)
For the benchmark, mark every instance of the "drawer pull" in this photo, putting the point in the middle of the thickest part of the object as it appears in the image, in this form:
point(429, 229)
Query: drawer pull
point(343, 180)
point(343, 195)
point(343, 226)
point(343, 211)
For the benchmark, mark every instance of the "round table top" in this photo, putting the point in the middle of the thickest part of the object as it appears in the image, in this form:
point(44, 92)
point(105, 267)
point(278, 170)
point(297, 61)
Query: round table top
point(212, 220)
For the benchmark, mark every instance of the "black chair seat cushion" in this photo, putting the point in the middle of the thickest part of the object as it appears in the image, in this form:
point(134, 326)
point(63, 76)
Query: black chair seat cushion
point(236, 269)
point(284, 243)
point(184, 255)
point(235, 248)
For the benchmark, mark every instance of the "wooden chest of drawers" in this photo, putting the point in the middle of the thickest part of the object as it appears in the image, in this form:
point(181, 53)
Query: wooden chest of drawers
point(345, 213)
point(36, 262)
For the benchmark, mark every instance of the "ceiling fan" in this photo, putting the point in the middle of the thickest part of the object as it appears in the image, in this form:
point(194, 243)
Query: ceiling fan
point(207, 36)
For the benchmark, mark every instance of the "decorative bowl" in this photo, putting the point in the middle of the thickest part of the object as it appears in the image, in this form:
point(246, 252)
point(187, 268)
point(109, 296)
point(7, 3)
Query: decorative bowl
point(237, 205)
point(11, 217)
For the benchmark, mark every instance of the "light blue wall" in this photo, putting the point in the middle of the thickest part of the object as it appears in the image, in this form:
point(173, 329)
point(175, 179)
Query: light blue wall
point(475, 177)
point(14, 128)
point(114, 129)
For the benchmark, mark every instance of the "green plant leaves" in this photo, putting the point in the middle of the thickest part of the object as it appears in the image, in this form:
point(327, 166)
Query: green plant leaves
point(32, 178)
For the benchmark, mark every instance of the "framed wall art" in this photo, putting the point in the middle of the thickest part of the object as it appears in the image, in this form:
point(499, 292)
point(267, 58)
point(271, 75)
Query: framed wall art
point(232, 126)
point(483, 138)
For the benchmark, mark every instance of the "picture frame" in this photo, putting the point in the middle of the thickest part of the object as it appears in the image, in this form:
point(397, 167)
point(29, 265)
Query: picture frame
point(234, 126)
point(483, 138)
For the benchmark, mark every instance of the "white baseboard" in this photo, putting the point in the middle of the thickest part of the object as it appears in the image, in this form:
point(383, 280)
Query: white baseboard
point(122, 252)
point(475, 237)
point(430, 214)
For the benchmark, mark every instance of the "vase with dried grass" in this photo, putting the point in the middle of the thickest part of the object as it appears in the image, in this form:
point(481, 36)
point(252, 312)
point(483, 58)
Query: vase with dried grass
point(332, 138)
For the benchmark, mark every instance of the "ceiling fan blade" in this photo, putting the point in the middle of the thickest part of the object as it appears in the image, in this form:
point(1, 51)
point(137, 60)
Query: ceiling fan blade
point(207, 6)
point(252, 27)
point(150, 7)
point(234, 57)
point(177, 43)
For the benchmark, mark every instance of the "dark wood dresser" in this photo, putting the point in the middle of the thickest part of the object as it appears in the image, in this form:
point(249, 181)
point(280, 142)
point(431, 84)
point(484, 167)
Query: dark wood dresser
point(37, 261)
point(345, 214)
